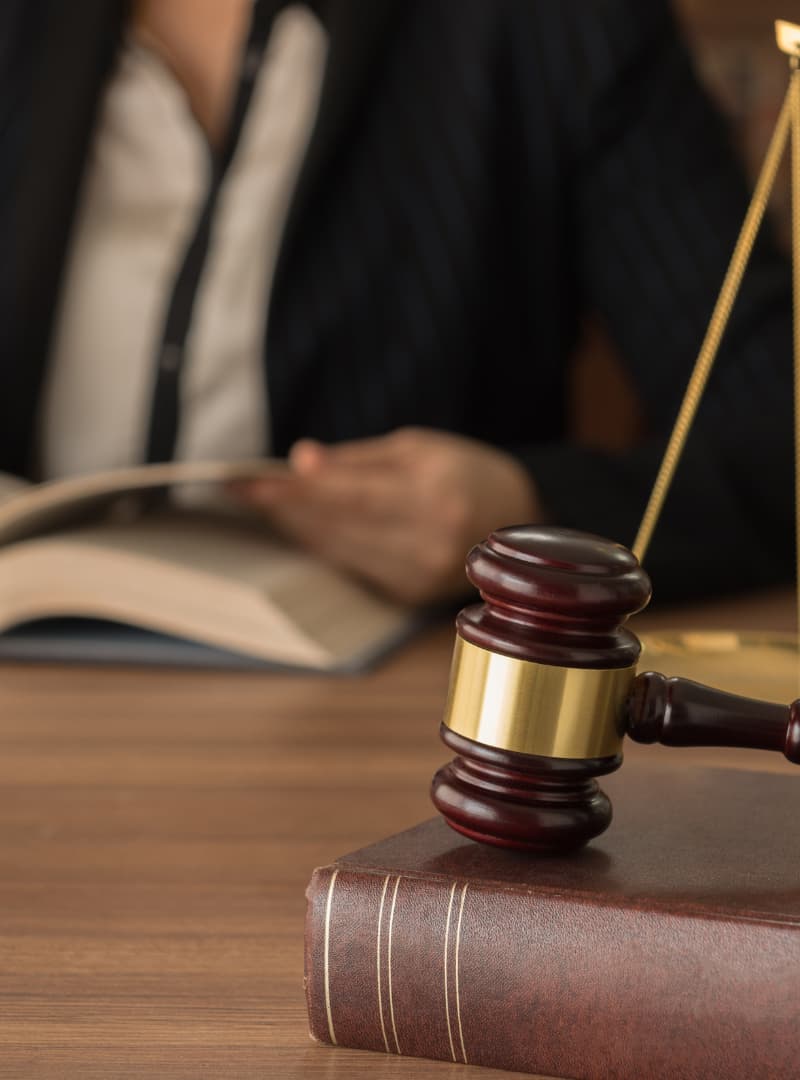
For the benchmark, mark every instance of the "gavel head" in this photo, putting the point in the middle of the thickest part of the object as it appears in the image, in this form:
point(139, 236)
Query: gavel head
point(539, 674)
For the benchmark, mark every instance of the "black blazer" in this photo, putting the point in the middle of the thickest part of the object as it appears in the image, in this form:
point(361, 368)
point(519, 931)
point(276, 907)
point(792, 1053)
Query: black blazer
point(482, 173)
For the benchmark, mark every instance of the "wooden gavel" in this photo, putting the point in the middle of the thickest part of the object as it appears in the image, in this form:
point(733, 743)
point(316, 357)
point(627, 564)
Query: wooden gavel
point(544, 687)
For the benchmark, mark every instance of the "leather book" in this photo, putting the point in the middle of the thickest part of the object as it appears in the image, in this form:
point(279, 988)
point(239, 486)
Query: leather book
point(670, 947)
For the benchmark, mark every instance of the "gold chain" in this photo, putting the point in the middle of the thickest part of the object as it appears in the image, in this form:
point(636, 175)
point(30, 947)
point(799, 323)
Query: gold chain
point(722, 310)
point(794, 94)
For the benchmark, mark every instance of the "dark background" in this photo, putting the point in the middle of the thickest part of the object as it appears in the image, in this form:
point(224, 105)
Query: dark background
point(733, 42)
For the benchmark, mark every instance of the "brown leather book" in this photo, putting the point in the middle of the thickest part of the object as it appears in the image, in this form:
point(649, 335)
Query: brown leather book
point(670, 947)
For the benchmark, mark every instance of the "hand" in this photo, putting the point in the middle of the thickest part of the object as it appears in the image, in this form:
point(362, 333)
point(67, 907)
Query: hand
point(401, 510)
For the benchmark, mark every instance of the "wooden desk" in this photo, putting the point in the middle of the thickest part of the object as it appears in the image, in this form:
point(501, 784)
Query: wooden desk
point(157, 832)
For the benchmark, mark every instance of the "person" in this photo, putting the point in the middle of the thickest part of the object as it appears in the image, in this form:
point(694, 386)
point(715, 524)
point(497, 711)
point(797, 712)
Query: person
point(363, 234)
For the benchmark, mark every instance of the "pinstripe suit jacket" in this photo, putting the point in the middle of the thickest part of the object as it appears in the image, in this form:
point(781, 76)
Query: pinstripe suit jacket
point(481, 173)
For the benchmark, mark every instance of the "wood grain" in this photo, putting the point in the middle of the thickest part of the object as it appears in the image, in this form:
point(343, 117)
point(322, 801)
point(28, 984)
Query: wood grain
point(157, 832)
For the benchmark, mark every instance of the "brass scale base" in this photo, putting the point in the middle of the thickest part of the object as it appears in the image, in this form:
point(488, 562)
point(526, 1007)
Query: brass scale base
point(757, 664)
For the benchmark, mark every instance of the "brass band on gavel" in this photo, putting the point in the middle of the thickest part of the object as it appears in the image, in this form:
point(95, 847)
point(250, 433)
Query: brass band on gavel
point(540, 709)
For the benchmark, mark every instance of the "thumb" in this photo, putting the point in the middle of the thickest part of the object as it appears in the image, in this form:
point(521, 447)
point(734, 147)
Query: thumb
point(307, 456)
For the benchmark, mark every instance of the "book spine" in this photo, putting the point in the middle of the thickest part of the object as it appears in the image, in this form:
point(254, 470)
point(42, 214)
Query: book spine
point(549, 984)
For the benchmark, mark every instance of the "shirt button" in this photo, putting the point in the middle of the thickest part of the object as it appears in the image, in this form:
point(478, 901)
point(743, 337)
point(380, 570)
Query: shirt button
point(170, 359)
point(251, 64)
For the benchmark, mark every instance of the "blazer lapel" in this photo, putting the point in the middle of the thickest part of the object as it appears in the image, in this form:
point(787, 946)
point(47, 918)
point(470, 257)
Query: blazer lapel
point(358, 33)
point(72, 57)
point(357, 30)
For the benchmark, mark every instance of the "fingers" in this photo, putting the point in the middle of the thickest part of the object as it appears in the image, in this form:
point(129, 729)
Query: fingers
point(307, 456)
point(398, 558)
point(348, 478)
point(335, 491)
point(367, 548)
point(379, 451)
point(400, 510)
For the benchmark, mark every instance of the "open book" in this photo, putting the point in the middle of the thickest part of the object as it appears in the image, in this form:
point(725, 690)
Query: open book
point(110, 546)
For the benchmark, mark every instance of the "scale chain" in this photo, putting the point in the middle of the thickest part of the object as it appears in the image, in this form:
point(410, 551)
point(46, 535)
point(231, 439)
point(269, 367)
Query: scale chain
point(724, 305)
point(794, 93)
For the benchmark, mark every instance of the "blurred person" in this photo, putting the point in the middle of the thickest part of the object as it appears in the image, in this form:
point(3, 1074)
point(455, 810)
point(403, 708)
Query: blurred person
point(363, 234)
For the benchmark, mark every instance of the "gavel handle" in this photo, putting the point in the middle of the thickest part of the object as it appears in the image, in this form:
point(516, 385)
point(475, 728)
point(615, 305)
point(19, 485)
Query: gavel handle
point(678, 712)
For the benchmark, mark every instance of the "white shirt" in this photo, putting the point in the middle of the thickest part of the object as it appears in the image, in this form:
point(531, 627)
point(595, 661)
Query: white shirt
point(146, 180)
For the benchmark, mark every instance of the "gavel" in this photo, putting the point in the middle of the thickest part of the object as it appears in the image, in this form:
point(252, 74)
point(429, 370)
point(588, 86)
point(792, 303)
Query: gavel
point(544, 688)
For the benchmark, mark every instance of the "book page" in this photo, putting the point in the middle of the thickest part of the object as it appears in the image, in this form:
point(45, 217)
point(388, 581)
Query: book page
point(29, 509)
point(225, 581)
point(339, 613)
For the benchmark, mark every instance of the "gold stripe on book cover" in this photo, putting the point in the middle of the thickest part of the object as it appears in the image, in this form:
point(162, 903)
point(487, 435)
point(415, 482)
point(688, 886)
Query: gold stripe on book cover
point(378, 962)
point(458, 988)
point(389, 964)
point(328, 904)
point(446, 990)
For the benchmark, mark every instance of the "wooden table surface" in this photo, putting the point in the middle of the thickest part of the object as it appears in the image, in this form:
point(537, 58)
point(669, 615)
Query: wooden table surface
point(157, 832)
